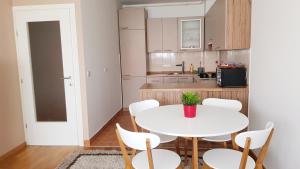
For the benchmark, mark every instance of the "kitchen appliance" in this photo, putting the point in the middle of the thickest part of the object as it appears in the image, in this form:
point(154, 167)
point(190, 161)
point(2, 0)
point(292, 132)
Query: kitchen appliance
point(231, 76)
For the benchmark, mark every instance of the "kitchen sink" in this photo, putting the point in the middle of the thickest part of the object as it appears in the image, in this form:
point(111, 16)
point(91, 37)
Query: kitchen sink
point(175, 73)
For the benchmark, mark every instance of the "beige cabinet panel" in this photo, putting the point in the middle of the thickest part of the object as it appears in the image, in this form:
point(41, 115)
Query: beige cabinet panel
point(170, 79)
point(154, 35)
point(228, 25)
point(154, 79)
point(170, 34)
point(185, 80)
point(132, 18)
point(133, 52)
point(130, 86)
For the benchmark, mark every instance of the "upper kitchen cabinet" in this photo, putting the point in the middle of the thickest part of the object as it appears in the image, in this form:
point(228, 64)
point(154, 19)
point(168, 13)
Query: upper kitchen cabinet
point(132, 18)
point(162, 35)
point(154, 35)
point(227, 25)
point(190, 33)
point(170, 34)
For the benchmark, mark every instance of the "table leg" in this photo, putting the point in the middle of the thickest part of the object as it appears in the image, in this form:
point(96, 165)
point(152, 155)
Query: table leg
point(234, 145)
point(195, 153)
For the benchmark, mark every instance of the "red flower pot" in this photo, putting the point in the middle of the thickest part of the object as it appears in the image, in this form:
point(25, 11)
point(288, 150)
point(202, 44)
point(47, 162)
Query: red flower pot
point(190, 111)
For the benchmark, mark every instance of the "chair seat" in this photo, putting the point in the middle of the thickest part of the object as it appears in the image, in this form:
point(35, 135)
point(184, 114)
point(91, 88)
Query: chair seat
point(226, 159)
point(164, 138)
point(223, 138)
point(162, 159)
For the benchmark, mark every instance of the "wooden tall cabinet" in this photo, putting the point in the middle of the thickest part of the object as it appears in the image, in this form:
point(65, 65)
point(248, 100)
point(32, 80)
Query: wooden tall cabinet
point(132, 22)
point(228, 24)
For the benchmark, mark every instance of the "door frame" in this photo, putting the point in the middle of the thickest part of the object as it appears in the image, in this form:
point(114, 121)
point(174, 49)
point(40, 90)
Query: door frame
point(76, 67)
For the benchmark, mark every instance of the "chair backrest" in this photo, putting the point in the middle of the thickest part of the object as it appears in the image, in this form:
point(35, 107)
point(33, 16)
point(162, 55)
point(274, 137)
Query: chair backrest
point(223, 103)
point(137, 107)
point(258, 138)
point(137, 140)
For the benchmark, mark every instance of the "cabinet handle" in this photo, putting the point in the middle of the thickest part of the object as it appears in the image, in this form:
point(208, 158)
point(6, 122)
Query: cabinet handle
point(124, 28)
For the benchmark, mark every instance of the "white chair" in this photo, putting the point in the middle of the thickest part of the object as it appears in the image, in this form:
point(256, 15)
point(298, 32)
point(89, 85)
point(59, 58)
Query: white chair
point(234, 105)
point(233, 159)
point(138, 107)
point(148, 157)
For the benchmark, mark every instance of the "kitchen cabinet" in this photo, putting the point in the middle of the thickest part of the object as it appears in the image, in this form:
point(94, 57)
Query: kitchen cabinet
point(170, 79)
point(155, 80)
point(185, 80)
point(170, 33)
point(133, 52)
point(132, 18)
point(190, 33)
point(131, 87)
point(162, 35)
point(154, 35)
point(228, 25)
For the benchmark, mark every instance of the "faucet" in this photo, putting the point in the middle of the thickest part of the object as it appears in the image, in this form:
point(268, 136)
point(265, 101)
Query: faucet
point(182, 66)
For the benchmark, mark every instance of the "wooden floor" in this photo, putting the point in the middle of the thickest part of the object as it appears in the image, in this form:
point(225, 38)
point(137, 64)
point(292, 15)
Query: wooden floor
point(36, 157)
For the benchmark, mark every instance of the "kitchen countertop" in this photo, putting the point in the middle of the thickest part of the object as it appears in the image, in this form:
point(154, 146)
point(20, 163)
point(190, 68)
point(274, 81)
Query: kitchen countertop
point(161, 74)
point(204, 85)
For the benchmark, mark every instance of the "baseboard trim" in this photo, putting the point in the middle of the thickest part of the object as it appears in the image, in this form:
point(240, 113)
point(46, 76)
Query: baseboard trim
point(87, 143)
point(15, 150)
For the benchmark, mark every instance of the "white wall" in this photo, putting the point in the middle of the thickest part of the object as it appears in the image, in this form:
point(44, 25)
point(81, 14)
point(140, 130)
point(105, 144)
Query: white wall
point(169, 10)
point(11, 121)
point(275, 79)
point(101, 51)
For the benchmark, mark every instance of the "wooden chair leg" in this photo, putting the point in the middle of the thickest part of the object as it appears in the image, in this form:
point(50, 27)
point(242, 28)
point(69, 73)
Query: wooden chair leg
point(225, 144)
point(234, 145)
point(185, 151)
point(177, 146)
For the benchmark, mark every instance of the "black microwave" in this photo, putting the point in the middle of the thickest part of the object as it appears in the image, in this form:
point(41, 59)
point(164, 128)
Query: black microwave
point(232, 77)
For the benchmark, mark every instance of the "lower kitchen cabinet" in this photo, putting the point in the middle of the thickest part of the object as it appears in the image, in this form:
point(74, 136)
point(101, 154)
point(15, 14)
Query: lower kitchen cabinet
point(130, 87)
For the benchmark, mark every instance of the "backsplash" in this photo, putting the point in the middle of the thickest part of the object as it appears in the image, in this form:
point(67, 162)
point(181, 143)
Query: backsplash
point(237, 56)
point(158, 62)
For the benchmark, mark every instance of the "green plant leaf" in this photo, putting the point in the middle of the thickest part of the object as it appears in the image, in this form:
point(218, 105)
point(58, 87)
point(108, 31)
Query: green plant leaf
point(190, 98)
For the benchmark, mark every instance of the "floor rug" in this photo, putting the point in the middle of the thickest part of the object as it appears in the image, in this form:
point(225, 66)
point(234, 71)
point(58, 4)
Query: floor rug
point(96, 159)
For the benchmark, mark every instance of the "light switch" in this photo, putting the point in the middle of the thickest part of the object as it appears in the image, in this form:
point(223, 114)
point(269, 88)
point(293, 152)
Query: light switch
point(88, 73)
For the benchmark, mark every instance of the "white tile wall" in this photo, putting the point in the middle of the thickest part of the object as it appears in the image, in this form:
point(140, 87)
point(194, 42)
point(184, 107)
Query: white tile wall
point(209, 59)
point(167, 61)
point(238, 56)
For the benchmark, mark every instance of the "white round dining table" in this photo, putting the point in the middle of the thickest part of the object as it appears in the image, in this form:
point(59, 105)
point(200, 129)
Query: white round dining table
point(209, 121)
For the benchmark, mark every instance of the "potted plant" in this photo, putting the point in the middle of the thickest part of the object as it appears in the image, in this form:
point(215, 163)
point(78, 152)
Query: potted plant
point(190, 101)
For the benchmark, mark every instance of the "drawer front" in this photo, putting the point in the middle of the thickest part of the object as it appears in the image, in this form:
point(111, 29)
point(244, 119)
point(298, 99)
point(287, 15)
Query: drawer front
point(170, 79)
point(185, 80)
point(154, 80)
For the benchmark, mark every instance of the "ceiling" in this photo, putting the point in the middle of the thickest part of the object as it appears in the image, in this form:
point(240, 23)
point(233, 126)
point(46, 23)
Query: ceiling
point(133, 2)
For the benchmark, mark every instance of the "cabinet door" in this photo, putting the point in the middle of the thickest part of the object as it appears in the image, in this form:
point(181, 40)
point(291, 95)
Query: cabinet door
point(154, 35)
point(155, 80)
point(185, 79)
point(132, 18)
point(190, 33)
point(215, 26)
point(170, 79)
point(170, 34)
point(133, 52)
point(131, 86)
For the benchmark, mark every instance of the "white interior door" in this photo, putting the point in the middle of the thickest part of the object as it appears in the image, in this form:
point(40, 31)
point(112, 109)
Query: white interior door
point(46, 60)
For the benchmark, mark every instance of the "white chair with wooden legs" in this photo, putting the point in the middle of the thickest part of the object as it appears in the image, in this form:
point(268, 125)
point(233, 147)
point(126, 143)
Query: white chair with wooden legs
point(138, 107)
point(234, 105)
point(148, 157)
point(234, 159)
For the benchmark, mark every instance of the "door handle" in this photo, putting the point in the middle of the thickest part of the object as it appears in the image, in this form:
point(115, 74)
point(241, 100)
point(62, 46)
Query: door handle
point(66, 78)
